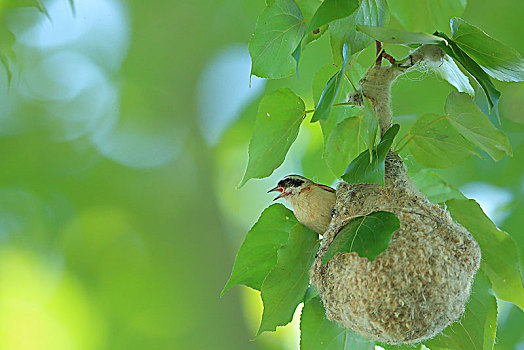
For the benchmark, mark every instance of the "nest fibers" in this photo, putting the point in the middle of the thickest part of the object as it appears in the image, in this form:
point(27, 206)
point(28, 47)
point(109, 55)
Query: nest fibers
point(418, 285)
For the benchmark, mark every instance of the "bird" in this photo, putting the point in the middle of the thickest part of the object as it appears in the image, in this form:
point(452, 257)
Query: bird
point(312, 203)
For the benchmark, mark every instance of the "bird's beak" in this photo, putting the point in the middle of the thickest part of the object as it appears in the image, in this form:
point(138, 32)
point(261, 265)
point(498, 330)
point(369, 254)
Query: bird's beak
point(278, 189)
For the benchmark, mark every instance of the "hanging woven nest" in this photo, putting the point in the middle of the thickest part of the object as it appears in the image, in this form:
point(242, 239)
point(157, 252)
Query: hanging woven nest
point(418, 285)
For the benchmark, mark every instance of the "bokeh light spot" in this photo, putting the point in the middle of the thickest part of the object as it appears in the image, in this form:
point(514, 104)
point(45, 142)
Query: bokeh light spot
point(43, 308)
point(60, 76)
point(223, 90)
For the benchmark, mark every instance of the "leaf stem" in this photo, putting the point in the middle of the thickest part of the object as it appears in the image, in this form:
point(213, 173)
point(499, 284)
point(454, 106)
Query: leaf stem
point(343, 104)
point(347, 77)
point(402, 138)
point(413, 135)
point(334, 105)
point(398, 150)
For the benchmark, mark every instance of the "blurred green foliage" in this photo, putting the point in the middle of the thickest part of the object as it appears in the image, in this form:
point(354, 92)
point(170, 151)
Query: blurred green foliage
point(118, 219)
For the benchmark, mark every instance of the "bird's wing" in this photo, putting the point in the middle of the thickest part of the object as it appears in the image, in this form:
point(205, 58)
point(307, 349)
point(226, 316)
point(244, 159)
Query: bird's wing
point(327, 188)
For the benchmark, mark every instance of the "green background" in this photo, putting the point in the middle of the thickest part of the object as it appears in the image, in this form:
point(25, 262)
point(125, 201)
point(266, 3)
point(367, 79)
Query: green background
point(123, 137)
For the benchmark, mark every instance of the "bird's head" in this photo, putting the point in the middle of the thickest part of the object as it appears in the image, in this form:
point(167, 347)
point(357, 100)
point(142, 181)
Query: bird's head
point(290, 185)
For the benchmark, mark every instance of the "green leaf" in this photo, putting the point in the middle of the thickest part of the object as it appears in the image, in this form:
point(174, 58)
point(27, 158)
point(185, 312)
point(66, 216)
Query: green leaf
point(279, 116)
point(343, 31)
point(398, 36)
point(426, 15)
point(340, 112)
point(278, 32)
point(455, 52)
point(314, 166)
point(310, 294)
point(320, 80)
point(312, 36)
point(500, 259)
point(509, 331)
point(370, 169)
point(498, 60)
point(331, 10)
point(436, 144)
point(318, 333)
point(515, 221)
point(434, 188)
point(308, 7)
point(285, 286)
point(344, 143)
point(449, 70)
point(330, 93)
point(308, 38)
point(477, 327)
point(481, 100)
point(367, 235)
point(470, 122)
point(354, 72)
point(296, 56)
point(258, 254)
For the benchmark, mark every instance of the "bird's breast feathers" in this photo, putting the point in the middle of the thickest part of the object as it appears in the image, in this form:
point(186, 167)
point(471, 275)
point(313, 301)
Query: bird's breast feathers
point(313, 206)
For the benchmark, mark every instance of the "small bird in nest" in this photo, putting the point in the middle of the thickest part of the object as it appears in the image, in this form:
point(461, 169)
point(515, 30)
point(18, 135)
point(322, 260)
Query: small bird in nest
point(312, 203)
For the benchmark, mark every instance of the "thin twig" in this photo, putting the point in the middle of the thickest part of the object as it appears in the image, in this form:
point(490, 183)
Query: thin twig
point(378, 61)
point(388, 57)
point(381, 53)
point(406, 63)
